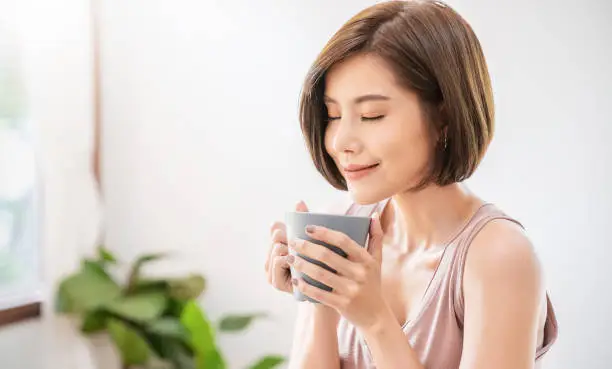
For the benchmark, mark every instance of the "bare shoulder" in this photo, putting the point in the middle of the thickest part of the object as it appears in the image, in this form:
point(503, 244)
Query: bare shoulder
point(502, 255)
point(503, 297)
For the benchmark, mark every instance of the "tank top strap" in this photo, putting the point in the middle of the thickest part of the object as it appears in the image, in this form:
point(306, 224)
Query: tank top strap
point(380, 206)
point(483, 216)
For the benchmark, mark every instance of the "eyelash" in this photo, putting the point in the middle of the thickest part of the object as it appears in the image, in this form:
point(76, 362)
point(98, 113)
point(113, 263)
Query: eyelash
point(365, 119)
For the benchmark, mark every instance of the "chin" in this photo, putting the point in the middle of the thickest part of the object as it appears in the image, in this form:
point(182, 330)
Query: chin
point(367, 196)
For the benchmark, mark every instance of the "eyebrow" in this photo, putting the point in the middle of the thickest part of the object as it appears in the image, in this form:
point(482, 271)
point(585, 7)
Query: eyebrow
point(361, 99)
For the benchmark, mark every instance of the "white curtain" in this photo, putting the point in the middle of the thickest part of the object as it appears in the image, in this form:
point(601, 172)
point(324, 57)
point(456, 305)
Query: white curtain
point(51, 45)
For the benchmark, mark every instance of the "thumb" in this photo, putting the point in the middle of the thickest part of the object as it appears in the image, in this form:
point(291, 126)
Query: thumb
point(301, 207)
point(376, 237)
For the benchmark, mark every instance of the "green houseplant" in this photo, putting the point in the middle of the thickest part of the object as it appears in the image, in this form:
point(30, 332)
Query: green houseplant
point(152, 322)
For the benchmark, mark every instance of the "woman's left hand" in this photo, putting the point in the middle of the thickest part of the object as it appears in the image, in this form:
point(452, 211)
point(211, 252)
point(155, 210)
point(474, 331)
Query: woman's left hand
point(356, 293)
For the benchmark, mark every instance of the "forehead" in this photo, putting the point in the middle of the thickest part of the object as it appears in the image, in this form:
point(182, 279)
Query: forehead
point(359, 75)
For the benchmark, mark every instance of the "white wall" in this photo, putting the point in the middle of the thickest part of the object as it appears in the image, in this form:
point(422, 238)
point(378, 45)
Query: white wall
point(202, 148)
point(551, 162)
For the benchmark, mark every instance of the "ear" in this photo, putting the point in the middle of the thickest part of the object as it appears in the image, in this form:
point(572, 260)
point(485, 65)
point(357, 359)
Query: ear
point(442, 137)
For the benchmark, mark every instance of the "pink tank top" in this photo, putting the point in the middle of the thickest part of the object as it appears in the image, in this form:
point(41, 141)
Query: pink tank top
point(436, 333)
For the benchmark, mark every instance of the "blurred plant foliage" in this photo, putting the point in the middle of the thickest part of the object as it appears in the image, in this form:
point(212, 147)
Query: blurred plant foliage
point(153, 322)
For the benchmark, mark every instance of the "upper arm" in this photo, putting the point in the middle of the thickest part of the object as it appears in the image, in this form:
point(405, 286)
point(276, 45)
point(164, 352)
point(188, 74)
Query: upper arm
point(502, 287)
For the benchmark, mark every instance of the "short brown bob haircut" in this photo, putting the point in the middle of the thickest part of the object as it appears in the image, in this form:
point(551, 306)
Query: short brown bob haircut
point(432, 51)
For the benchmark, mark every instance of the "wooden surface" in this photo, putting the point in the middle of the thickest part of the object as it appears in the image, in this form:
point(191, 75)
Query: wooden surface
point(20, 313)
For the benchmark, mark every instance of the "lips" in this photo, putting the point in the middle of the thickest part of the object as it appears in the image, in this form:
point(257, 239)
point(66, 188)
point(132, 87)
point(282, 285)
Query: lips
point(354, 172)
point(356, 167)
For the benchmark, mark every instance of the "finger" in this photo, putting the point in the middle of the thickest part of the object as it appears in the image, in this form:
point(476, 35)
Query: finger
point(278, 231)
point(278, 249)
point(331, 299)
point(278, 275)
point(278, 237)
point(339, 284)
point(301, 207)
point(376, 237)
point(338, 239)
point(341, 265)
point(277, 225)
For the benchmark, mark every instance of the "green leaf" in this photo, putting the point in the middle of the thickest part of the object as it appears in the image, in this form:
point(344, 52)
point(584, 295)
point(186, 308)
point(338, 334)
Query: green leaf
point(150, 285)
point(137, 266)
point(234, 323)
point(171, 349)
point(133, 348)
point(268, 362)
point(135, 272)
point(87, 290)
point(94, 266)
point(202, 337)
point(175, 307)
point(183, 360)
point(105, 255)
point(157, 363)
point(94, 321)
point(139, 308)
point(150, 257)
point(188, 288)
point(168, 327)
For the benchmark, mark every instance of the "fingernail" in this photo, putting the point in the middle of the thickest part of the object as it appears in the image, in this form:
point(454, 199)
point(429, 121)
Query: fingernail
point(310, 228)
point(290, 259)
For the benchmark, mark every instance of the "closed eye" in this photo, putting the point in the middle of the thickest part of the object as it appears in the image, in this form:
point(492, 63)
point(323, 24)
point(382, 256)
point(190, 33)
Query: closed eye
point(369, 119)
point(365, 119)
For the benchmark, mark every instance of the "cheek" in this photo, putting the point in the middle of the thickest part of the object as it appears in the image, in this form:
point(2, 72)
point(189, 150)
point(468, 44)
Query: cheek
point(407, 149)
point(328, 139)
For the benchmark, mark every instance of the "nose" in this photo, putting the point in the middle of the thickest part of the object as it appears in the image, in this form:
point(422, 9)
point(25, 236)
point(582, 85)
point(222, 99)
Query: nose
point(344, 137)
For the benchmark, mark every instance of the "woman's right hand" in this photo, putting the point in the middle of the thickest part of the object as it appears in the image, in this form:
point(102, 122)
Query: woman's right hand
point(315, 343)
point(277, 268)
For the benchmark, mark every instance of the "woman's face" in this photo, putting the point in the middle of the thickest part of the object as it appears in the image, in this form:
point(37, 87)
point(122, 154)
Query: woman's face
point(374, 124)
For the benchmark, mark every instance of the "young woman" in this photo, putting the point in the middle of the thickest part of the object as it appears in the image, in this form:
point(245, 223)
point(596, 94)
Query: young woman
point(398, 110)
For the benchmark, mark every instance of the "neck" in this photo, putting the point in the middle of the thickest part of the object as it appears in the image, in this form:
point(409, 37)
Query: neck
point(428, 217)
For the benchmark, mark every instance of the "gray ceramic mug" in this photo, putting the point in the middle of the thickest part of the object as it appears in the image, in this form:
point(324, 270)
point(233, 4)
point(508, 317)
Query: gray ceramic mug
point(353, 226)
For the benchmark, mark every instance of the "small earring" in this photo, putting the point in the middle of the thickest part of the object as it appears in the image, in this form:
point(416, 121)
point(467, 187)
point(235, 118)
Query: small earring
point(445, 140)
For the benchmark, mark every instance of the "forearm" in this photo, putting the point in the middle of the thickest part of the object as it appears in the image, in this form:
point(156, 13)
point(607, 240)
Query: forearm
point(389, 345)
point(315, 343)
